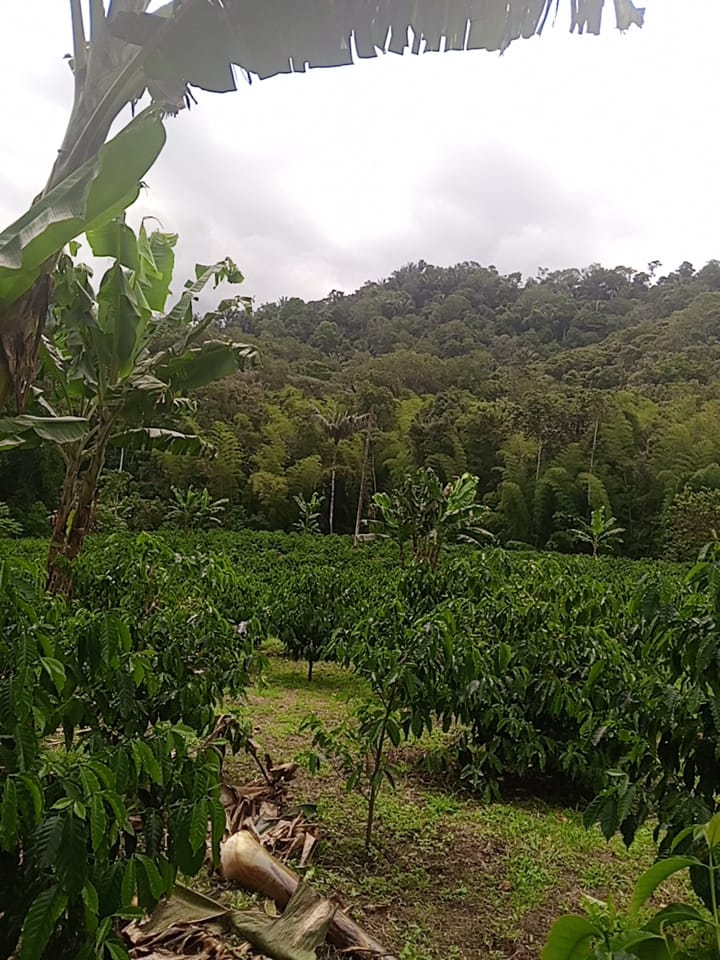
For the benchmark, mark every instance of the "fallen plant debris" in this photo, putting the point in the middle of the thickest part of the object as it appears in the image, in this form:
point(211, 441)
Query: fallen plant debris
point(190, 924)
point(263, 832)
point(246, 862)
point(261, 808)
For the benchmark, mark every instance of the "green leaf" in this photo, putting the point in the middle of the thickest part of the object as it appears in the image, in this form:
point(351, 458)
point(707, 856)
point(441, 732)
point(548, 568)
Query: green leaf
point(568, 938)
point(97, 191)
point(675, 913)
point(40, 923)
point(71, 866)
point(25, 746)
point(91, 906)
point(712, 832)
point(123, 319)
point(32, 788)
point(154, 880)
point(201, 365)
point(129, 883)
point(158, 438)
point(198, 825)
point(116, 950)
point(29, 430)
point(98, 823)
point(115, 239)
point(218, 827)
point(149, 762)
point(181, 313)
point(652, 878)
point(157, 261)
point(9, 818)
point(55, 670)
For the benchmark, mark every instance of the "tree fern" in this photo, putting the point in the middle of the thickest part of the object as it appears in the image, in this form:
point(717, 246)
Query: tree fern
point(516, 516)
point(225, 470)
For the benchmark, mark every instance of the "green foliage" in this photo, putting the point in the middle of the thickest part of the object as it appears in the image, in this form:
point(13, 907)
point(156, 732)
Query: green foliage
point(551, 407)
point(95, 826)
point(429, 516)
point(597, 676)
point(194, 509)
point(113, 364)
point(410, 661)
point(309, 512)
point(100, 189)
point(690, 520)
point(9, 527)
point(600, 533)
point(607, 933)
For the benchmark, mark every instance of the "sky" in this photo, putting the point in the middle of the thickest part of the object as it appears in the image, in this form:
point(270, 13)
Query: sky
point(564, 151)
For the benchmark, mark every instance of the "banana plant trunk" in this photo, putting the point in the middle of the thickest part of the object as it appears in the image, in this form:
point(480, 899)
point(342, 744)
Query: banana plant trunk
point(75, 514)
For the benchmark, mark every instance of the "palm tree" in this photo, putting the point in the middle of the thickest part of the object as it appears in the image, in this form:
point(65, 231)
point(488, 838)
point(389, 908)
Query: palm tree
point(120, 52)
point(338, 426)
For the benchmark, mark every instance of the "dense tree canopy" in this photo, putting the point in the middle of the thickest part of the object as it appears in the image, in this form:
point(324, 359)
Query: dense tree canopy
point(566, 392)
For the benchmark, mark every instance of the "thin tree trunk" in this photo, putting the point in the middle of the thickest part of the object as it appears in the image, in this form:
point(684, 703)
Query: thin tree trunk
point(332, 489)
point(594, 446)
point(375, 780)
point(539, 461)
point(363, 472)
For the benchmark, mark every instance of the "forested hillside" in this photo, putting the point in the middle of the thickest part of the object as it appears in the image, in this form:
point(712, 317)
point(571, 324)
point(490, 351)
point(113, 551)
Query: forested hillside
point(565, 392)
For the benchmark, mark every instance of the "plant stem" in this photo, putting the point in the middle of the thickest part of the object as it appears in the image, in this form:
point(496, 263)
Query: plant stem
point(375, 780)
point(713, 897)
point(363, 472)
point(332, 488)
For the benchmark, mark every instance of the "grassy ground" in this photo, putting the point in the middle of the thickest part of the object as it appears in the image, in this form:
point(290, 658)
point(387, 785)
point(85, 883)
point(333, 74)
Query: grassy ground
point(451, 878)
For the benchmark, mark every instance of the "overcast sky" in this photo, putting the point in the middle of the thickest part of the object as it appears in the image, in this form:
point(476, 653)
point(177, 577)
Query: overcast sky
point(564, 151)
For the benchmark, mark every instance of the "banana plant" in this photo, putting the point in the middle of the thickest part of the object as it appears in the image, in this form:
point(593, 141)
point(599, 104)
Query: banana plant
point(600, 533)
point(121, 51)
point(116, 370)
point(606, 934)
point(194, 509)
point(428, 515)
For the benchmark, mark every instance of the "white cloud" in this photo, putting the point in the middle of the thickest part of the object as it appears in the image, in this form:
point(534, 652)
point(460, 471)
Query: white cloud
point(564, 151)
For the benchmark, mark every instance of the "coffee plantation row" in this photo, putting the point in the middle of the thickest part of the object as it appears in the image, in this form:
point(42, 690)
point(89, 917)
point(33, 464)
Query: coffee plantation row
point(597, 675)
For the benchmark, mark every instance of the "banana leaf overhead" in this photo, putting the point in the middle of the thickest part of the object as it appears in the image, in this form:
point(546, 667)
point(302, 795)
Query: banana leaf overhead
point(120, 51)
point(199, 41)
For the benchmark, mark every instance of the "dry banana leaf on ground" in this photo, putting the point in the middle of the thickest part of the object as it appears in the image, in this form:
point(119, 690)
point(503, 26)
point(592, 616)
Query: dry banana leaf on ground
point(189, 924)
point(261, 808)
point(246, 862)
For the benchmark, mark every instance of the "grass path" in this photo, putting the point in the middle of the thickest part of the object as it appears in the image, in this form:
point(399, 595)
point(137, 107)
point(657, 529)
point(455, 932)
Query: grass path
point(452, 878)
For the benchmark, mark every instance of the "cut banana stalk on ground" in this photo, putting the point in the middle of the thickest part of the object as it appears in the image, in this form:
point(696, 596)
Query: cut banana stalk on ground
point(247, 863)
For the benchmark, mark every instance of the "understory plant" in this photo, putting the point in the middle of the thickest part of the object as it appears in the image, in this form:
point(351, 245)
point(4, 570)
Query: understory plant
point(428, 515)
point(410, 662)
point(117, 369)
point(309, 512)
point(194, 509)
point(9, 527)
point(110, 763)
point(677, 930)
point(601, 533)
